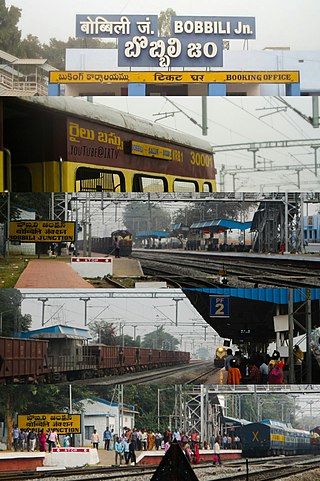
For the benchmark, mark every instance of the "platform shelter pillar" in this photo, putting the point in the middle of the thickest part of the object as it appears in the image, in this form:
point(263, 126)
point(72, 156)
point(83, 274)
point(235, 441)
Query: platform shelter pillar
point(53, 90)
point(215, 90)
point(135, 89)
point(293, 89)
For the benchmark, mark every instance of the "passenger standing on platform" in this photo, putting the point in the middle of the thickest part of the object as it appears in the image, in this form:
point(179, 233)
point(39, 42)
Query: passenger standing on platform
point(116, 246)
point(159, 438)
point(135, 438)
point(15, 437)
point(275, 375)
point(225, 441)
point(95, 439)
point(228, 359)
point(66, 441)
point(216, 449)
point(106, 438)
point(126, 450)
point(234, 375)
point(254, 374)
point(264, 373)
point(22, 439)
point(144, 439)
point(132, 454)
point(52, 439)
point(32, 440)
point(42, 441)
point(118, 448)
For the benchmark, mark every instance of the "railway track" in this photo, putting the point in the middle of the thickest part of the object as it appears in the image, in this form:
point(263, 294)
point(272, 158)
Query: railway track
point(143, 377)
point(270, 473)
point(204, 471)
point(202, 270)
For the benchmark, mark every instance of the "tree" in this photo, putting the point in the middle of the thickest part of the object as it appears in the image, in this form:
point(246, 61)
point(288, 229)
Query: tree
point(33, 399)
point(165, 22)
point(10, 308)
point(140, 216)
point(103, 332)
point(127, 341)
point(10, 35)
point(30, 47)
point(160, 339)
point(37, 201)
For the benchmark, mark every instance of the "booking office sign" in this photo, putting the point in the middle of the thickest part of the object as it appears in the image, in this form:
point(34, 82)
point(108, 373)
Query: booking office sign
point(195, 41)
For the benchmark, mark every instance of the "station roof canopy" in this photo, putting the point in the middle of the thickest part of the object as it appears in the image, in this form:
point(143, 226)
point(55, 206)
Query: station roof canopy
point(152, 234)
point(251, 311)
point(58, 331)
point(233, 422)
point(221, 224)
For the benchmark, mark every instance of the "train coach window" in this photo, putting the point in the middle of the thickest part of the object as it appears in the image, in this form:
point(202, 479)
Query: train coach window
point(144, 183)
point(21, 180)
point(95, 180)
point(185, 186)
point(207, 187)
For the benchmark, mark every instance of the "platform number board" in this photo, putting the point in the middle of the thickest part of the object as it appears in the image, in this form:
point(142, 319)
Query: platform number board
point(220, 306)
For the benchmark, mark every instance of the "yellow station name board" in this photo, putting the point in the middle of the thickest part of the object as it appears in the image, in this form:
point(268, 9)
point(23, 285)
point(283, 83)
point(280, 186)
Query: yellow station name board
point(63, 423)
point(256, 77)
point(41, 231)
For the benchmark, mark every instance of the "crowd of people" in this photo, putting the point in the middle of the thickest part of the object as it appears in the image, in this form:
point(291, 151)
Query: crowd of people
point(29, 440)
point(129, 441)
point(258, 369)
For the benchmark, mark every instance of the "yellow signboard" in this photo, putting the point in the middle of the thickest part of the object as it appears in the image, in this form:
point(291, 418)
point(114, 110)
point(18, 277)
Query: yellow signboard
point(63, 423)
point(255, 77)
point(149, 150)
point(42, 231)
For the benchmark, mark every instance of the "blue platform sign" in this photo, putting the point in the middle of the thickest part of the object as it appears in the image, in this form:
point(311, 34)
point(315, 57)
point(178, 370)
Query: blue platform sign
point(219, 306)
point(195, 41)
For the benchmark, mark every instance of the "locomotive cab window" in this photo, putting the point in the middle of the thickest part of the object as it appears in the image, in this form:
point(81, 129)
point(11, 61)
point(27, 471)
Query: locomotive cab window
point(95, 180)
point(185, 186)
point(207, 187)
point(144, 183)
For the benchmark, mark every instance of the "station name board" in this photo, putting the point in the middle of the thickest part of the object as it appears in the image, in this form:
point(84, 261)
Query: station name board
point(194, 40)
point(192, 77)
point(63, 423)
point(41, 231)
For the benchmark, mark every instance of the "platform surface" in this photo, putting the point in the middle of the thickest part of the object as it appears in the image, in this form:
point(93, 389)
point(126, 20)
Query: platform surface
point(50, 273)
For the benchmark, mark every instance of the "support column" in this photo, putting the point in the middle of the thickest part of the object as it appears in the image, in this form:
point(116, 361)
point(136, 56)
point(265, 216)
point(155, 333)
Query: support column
point(291, 334)
point(215, 90)
point(135, 89)
point(53, 90)
point(309, 329)
point(293, 89)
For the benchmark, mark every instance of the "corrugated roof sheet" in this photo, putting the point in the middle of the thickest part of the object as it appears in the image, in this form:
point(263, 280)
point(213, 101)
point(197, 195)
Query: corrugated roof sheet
point(30, 61)
point(59, 331)
point(7, 56)
point(269, 294)
point(226, 223)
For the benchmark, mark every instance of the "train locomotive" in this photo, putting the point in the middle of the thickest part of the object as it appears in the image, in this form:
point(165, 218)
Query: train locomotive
point(105, 245)
point(221, 354)
point(60, 359)
point(272, 438)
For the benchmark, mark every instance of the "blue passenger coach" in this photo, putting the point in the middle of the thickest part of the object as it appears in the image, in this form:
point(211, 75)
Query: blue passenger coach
point(267, 438)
